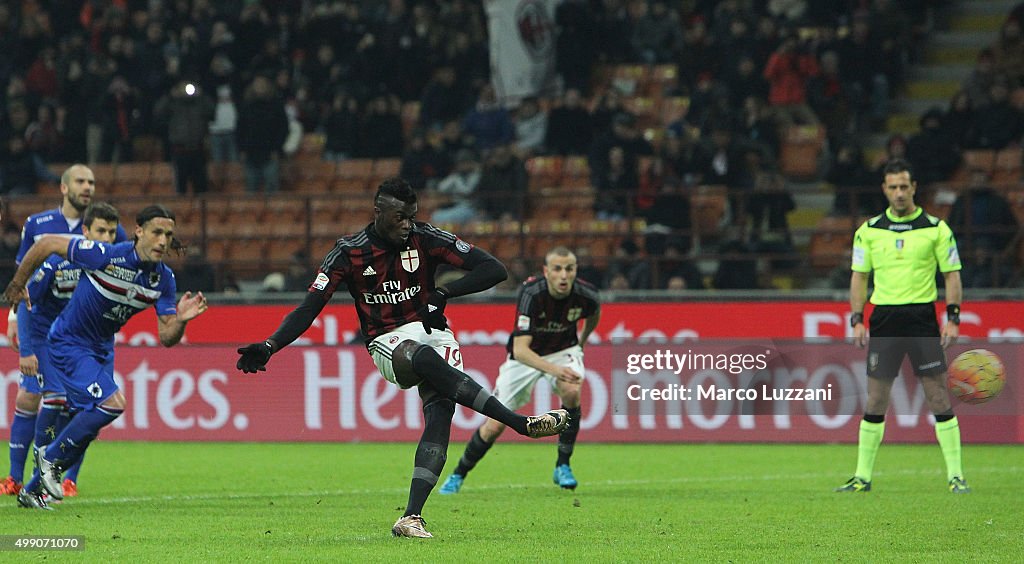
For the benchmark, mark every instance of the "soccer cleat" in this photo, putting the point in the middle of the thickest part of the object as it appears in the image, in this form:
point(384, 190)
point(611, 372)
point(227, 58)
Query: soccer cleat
point(30, 500)
point(551, 423)
point(9, 486)
point(412, 526)
point(452, 485)
point(959, 486)
point(70, 488)
point(564, 478)
point(855, 484)
point(49, 476)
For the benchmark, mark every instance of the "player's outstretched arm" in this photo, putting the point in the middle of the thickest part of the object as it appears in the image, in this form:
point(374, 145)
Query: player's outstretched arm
point(47, 245)
point(171, 328)
point(254, 357)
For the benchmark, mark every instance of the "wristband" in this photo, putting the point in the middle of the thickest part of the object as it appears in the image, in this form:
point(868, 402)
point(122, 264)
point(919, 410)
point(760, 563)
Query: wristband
point(12, 316)
point(856, 318)
point(953, 313)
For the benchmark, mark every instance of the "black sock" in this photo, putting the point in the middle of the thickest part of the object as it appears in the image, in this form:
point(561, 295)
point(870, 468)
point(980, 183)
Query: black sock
point(456, 385)
point(476, 448)
point(431, 453)
point(874, 418)
point(567, 438)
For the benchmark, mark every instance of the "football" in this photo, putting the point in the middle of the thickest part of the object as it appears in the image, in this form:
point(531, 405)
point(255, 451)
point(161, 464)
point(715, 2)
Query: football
point(976, 376)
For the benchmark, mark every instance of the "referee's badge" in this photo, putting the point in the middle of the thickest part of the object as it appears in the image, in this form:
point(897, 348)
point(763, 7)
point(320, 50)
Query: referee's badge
point(899, 248)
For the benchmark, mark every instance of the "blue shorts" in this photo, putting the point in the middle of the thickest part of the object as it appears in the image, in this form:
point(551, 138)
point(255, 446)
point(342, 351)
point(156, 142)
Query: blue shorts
point(30, 384)
point(87, 376)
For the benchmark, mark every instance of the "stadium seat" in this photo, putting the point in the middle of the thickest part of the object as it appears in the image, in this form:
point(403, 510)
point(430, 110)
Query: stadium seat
point(708, 206)
point(544, 171)
point(132, 178)
point(645, 109)
point(575, 172)
point(661, 80)
point(356, 186)
point(673, 109)
point(385, 168)
point(831, 242)
point(801, 147)
point(218, 250)
point(356, 168)
point(629, 79)
point(1008, 166)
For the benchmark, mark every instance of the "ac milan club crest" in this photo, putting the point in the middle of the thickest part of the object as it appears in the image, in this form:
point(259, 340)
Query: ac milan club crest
point(536, 30)
point(410, 260)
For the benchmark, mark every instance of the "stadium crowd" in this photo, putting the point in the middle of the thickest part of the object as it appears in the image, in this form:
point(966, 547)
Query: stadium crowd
point(242, 81)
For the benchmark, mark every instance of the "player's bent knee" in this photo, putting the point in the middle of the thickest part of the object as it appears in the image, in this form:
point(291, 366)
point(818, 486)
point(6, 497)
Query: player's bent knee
point(116, 401)
point(401, 363)
point(27, 401)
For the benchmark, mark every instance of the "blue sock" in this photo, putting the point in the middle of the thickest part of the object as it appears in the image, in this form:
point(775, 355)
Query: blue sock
point(72, 473)
point(51, 421)
point(73, 440)
point(22, 429)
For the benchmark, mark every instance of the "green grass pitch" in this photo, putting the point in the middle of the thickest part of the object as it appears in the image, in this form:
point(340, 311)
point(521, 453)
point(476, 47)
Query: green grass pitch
point(202, 502)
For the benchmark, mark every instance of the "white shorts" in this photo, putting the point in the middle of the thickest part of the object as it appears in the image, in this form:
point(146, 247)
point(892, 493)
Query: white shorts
point(382, 347)
point(516, 380)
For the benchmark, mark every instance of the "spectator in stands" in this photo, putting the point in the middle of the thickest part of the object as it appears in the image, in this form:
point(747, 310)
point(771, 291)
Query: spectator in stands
point(196, 273)
point(531, 126)
point(744, 81)
point(422, 164)
point(986, 230)
point(262, 130)
point(576, 43)
point(45, 136)
point(769, 202)
point(186, 112)
point(726, 167)
point(223, 127)
point(380, 132)
point(787, 72)
point(977, 85)
point(1008, 52)
point(655, 34)
point(21, 169)
point(699, 54)
point(459, 190)
point(341, 127)
point(488, 124)
point(958, 120)
point(931, 151)
point(830, 98)
point(630, 264)
point(998, 124)
point(586, 268)
point(570, 127)
point(121, 111)
point(503, 185)
point(300, 273)
point(99, 72)
point(609, 104)
point(442, 99)
point(613, 161)
point(862, 66)
point(856, 191)
point(737, 269)
point(895, 148)
point(755, 126)
point(675, 270)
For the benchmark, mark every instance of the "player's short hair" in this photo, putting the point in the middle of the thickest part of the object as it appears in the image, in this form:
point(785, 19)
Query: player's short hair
point(65, 178)
point(896, 166)
point(559, 251)
point(153, 212)
point(100, 210)
point(397, 188)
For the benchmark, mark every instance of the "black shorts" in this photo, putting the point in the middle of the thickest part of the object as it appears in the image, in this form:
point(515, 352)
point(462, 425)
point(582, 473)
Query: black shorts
point(904, 330)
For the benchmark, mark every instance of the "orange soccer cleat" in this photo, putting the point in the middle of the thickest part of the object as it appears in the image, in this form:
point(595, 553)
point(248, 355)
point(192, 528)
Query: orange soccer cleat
point(9, 487)
point(70, 489)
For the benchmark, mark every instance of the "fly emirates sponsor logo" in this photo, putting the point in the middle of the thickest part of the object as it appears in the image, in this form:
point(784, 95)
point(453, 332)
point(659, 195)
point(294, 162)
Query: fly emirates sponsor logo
point(393, 293)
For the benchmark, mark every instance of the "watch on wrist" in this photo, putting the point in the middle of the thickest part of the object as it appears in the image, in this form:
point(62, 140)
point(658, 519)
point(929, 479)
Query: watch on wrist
point(856, 318)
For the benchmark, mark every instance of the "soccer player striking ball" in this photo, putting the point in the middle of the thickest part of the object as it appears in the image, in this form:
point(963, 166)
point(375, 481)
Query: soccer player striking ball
point(543, 344)
point(49, 291)
point(903, 246)
point(77, 186)
point(389, 270)
point(119, 281)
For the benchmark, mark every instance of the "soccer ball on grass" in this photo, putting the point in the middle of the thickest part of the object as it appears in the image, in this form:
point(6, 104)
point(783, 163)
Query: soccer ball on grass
point(976, 376)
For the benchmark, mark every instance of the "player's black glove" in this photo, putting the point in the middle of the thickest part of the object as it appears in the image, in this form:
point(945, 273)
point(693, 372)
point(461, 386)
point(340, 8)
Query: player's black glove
point(432, 313)
point(254, 357)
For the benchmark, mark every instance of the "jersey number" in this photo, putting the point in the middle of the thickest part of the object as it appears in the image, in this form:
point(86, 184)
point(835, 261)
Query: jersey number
point(452, 356)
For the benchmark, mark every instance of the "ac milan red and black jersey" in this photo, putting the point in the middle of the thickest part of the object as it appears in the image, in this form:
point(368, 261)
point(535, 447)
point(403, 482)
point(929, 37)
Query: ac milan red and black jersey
point(389, 283)
point(550, 321)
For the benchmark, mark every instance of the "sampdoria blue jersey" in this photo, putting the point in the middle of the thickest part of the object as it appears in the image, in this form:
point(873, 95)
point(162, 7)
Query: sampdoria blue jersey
point(53, 222)
point(113, 286)
point(49, 289)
